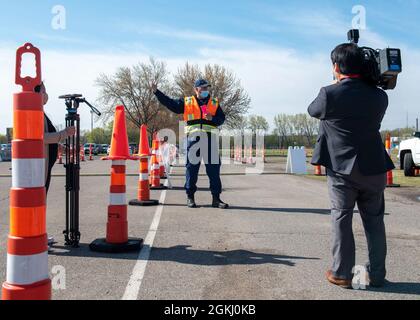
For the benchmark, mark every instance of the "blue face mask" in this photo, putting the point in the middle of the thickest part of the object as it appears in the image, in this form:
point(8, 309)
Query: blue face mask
point(204, 94)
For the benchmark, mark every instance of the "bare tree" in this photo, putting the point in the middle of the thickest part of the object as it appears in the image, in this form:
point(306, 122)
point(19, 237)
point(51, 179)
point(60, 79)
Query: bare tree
point(131, 87)
point(311, 127)
point(234, 100)
point(283, 128)
point(258, 124)
point(304, 127)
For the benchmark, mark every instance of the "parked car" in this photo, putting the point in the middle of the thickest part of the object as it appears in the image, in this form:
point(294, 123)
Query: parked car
point(134, 148)
point(95, 148)
point(104, 148)
point(5, 152)
point(409, 155)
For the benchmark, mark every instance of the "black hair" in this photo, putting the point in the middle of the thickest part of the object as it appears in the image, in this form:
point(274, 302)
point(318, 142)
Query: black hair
point(349, 58)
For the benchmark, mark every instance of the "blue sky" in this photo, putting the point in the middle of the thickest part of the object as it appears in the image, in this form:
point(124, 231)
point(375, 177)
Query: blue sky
point(297, 24)
point(250, 37)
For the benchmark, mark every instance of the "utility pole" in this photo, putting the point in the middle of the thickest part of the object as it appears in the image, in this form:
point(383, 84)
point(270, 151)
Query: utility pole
point(91, 121)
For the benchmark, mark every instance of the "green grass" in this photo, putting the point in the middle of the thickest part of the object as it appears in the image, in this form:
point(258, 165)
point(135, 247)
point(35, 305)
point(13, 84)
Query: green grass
point(399, 178)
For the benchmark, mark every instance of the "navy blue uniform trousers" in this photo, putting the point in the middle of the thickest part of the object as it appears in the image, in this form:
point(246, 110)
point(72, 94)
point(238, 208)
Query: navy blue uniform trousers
point(198, 149)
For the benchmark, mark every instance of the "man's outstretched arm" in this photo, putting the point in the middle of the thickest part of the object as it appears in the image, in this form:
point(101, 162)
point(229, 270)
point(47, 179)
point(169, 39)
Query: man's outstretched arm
point(176, 106)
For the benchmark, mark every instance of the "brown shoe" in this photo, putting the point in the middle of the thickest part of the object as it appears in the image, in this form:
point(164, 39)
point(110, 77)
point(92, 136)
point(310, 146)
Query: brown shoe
point(346, 284)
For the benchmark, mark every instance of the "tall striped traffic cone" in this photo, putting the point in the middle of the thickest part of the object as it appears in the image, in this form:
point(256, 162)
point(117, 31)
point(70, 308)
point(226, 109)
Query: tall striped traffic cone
point(117, 240)
point(143, 197)
point(155, 167)
point(27, 250)
point(390, 175)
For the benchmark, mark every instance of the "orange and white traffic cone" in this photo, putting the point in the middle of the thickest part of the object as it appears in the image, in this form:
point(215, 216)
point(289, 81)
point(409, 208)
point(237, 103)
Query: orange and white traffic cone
point(91, 153)
point(390, 175)
point(162, 171)
point(263, 154)
point(82, 154)
point(155, 167)
point(60, 154)
point(318, 171)
point(27, 251)
point(243, 155)
point(143, 197)
point(117, 240)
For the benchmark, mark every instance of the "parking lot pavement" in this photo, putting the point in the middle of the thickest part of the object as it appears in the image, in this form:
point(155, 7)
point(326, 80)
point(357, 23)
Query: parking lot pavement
point(273, 243)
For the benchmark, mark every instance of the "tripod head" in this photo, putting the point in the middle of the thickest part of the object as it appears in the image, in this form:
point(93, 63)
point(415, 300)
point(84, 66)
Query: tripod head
point(73, 102)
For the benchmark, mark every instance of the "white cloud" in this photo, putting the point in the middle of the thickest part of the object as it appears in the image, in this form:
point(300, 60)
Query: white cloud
point(278, 80)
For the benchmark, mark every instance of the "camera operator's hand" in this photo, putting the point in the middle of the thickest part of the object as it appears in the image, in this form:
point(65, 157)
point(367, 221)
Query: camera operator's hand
point(68, 132)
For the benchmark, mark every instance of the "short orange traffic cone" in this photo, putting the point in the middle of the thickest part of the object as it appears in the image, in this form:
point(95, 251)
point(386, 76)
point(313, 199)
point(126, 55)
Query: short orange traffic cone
point(155, 167)
point(117, 240)
point(143, 197)
point(27, 276)
point(417, 172)
point(390, 175)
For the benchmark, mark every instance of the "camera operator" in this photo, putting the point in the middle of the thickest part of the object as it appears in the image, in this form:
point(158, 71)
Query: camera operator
point(351, 148)
point(51, 138)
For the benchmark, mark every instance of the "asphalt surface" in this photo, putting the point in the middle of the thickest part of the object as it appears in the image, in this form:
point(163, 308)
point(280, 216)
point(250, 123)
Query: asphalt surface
point(273, 243)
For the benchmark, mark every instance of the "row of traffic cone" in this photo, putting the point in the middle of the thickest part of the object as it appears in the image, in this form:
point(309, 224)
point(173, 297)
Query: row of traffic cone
point(117, 240)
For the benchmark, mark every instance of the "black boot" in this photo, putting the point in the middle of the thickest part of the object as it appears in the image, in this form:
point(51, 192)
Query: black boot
point(217, 203)
point(191, 202)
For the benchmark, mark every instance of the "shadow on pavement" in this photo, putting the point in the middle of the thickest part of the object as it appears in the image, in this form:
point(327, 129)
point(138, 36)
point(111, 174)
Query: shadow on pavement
point(398, 288)
point(284, 210)
point(198, 189)
point(182, 254)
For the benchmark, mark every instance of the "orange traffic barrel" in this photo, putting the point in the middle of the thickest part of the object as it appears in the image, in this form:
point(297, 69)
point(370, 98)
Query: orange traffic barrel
point(27, 249)
point(117, 240)
point(143, 196)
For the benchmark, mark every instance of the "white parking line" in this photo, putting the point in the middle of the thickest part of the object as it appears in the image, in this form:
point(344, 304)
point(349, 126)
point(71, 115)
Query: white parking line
point(136, 278)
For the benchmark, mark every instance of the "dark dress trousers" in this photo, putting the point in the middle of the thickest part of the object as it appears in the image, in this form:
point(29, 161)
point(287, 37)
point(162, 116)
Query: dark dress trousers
point(351, 148)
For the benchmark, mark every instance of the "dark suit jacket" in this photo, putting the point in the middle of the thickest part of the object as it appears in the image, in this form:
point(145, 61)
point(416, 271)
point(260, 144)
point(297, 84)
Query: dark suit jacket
point(351, 113)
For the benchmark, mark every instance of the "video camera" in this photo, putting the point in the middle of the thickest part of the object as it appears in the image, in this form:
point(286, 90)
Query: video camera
point(382, 66)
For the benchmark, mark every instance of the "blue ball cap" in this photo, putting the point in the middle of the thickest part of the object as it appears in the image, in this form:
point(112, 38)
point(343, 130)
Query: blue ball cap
point(201, 83)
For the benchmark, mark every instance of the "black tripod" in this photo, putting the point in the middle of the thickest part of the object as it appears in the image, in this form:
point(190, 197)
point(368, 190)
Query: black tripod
point(72, 165)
